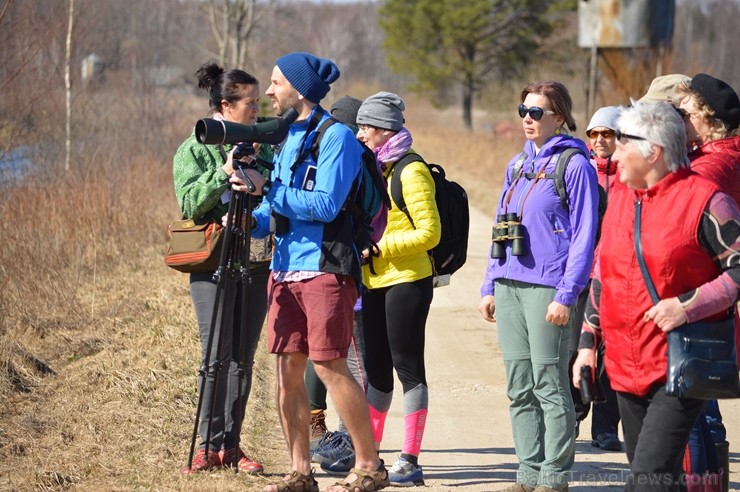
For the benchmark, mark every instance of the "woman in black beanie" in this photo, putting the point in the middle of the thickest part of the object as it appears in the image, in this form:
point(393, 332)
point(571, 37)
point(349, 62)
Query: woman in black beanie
point(711, 112)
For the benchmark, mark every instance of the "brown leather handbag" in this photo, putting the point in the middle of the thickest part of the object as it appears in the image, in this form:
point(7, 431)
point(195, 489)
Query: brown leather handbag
point(193, 246)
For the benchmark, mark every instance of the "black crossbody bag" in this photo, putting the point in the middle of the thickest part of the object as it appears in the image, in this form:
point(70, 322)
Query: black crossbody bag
point(702, 358)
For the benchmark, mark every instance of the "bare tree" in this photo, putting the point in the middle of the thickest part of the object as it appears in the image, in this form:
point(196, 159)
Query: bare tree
point(68, 86)
point(233, 23)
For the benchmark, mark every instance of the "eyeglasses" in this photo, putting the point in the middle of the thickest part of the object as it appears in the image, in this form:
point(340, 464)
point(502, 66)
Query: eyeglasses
point(604, 133)
point(621, 135)
point(535, 112)
point(685, 115)
point(365, 128)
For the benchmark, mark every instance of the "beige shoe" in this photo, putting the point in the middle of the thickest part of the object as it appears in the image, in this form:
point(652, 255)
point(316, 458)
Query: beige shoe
point(318, 426)
point(542, 488)
point(518, 487)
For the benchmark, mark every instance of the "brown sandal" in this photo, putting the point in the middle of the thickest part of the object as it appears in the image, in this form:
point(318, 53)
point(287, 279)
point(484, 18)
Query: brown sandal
point(296, 482)
point(367, 481)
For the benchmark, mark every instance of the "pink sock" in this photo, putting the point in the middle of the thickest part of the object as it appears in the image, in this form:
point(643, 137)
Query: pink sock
point(414, 423)
point(377, 422)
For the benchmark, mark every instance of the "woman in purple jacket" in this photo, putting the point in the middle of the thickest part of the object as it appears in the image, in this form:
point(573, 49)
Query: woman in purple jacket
point(540, 261)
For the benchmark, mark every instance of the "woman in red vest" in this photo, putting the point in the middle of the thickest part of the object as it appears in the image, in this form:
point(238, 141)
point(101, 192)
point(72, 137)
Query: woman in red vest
point(690, 243)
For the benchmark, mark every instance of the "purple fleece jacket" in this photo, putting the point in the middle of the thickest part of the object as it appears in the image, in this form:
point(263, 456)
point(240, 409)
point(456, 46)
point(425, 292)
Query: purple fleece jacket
point(559, 243)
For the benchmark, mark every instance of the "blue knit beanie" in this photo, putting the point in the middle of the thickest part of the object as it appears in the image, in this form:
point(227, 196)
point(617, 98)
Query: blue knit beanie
point(309, 74)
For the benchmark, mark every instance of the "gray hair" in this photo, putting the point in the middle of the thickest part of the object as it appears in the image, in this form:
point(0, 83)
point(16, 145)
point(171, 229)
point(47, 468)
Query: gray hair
point(659, 124)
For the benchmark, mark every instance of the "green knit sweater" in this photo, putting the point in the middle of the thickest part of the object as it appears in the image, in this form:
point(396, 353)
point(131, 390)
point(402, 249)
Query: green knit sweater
point(200, 182)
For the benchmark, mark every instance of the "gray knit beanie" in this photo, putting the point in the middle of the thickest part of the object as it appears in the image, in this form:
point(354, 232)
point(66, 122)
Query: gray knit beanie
point(382, 110)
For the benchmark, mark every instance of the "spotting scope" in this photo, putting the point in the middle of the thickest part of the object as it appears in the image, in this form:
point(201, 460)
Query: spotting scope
point(270, 131)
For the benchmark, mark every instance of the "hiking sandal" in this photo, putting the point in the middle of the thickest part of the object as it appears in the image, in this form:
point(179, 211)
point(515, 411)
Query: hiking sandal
point(297, 483)
point(367, 481)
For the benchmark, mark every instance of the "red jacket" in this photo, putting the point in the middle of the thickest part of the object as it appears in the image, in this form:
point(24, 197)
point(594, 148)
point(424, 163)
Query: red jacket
point(719, 161)
point(606, 171)
point(635, 356)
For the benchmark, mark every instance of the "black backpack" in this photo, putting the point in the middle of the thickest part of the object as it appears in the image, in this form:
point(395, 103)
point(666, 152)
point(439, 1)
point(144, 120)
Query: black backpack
point(368, 197)
point(452, 202)
point(559, 181)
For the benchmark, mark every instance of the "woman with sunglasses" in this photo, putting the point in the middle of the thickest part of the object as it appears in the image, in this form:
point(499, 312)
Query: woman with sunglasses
point(689, 239)
point(537, 270)
point(602, 136)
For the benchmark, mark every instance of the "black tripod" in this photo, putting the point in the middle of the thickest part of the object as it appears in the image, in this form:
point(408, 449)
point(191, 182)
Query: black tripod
point(233, 270)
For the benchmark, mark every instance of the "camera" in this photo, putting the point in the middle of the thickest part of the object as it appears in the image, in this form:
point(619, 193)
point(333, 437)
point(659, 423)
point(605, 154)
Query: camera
point(590, 389)
point(243, 150)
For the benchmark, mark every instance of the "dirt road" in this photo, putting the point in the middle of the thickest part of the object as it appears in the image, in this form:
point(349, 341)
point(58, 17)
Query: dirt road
point(468, 443)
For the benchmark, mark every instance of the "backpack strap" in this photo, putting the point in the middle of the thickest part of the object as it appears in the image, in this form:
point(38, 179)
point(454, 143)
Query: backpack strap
point(397, 186)
point(349, 204)
point(319, 135)
point(559, 175)
point(563, 160)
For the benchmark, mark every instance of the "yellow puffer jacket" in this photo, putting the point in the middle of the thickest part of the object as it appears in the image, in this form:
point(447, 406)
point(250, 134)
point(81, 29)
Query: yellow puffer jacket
point(403, 249)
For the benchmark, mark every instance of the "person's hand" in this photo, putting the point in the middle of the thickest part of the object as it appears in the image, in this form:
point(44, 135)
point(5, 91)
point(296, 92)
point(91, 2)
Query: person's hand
point(586, 357)
point(224, 222)
point(238, 183)
point(667, 314)
point(557, 314)
point(365, 255)
point(487, 308)
point(229, 165)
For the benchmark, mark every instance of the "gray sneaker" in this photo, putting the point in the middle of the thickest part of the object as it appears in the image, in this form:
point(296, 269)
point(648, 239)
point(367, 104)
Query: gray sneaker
point(403, 473)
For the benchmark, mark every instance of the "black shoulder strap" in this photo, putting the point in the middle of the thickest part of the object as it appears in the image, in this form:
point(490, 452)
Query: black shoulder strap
point(222, 152)
point(559, 175)
point(319, 135)
point(640, 258)
point(563, 160)
point(396, 185)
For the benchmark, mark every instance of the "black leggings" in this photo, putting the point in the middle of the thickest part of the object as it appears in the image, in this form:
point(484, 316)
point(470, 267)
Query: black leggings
point(394, 320)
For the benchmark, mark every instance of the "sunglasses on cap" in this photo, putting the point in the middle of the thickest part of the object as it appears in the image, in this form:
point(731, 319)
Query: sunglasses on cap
point(535, 112)
point(627, 136)
point(604, 133)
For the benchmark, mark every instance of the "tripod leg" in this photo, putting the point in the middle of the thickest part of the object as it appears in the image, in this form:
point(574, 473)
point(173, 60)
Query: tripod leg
point(219, 278)
point(243, 336)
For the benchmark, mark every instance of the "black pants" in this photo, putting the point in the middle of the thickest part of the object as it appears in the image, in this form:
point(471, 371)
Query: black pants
point(394, 322)
point(656, 430)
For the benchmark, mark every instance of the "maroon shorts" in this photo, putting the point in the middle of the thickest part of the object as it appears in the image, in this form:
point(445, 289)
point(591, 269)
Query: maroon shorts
point(313, 316)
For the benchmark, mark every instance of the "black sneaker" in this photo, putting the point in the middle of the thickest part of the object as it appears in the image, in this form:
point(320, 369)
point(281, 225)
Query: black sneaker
point(607, 441)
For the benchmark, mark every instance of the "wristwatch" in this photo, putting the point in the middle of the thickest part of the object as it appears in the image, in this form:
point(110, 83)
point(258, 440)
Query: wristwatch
point(266, 187)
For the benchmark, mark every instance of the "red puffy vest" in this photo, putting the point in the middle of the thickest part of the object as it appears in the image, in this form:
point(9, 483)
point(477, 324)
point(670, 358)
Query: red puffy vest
point(671, 212)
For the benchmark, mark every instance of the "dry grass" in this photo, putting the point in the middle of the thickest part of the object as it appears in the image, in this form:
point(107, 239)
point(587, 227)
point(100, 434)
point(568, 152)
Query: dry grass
point(98, 346)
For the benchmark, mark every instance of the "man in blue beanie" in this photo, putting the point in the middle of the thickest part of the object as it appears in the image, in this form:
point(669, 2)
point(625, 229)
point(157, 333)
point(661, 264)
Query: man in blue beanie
point(315, 269)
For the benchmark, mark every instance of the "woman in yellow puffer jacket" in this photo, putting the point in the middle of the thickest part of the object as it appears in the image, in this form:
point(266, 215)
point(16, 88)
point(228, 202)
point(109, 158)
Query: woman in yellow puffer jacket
point(398, 291)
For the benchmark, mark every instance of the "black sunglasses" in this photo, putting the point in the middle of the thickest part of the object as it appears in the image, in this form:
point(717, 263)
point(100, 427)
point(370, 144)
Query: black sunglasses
point(621, 135)
point(535, 112)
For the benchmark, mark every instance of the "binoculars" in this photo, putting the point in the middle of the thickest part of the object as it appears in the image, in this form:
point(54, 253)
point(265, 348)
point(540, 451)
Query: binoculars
point(508, 227)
